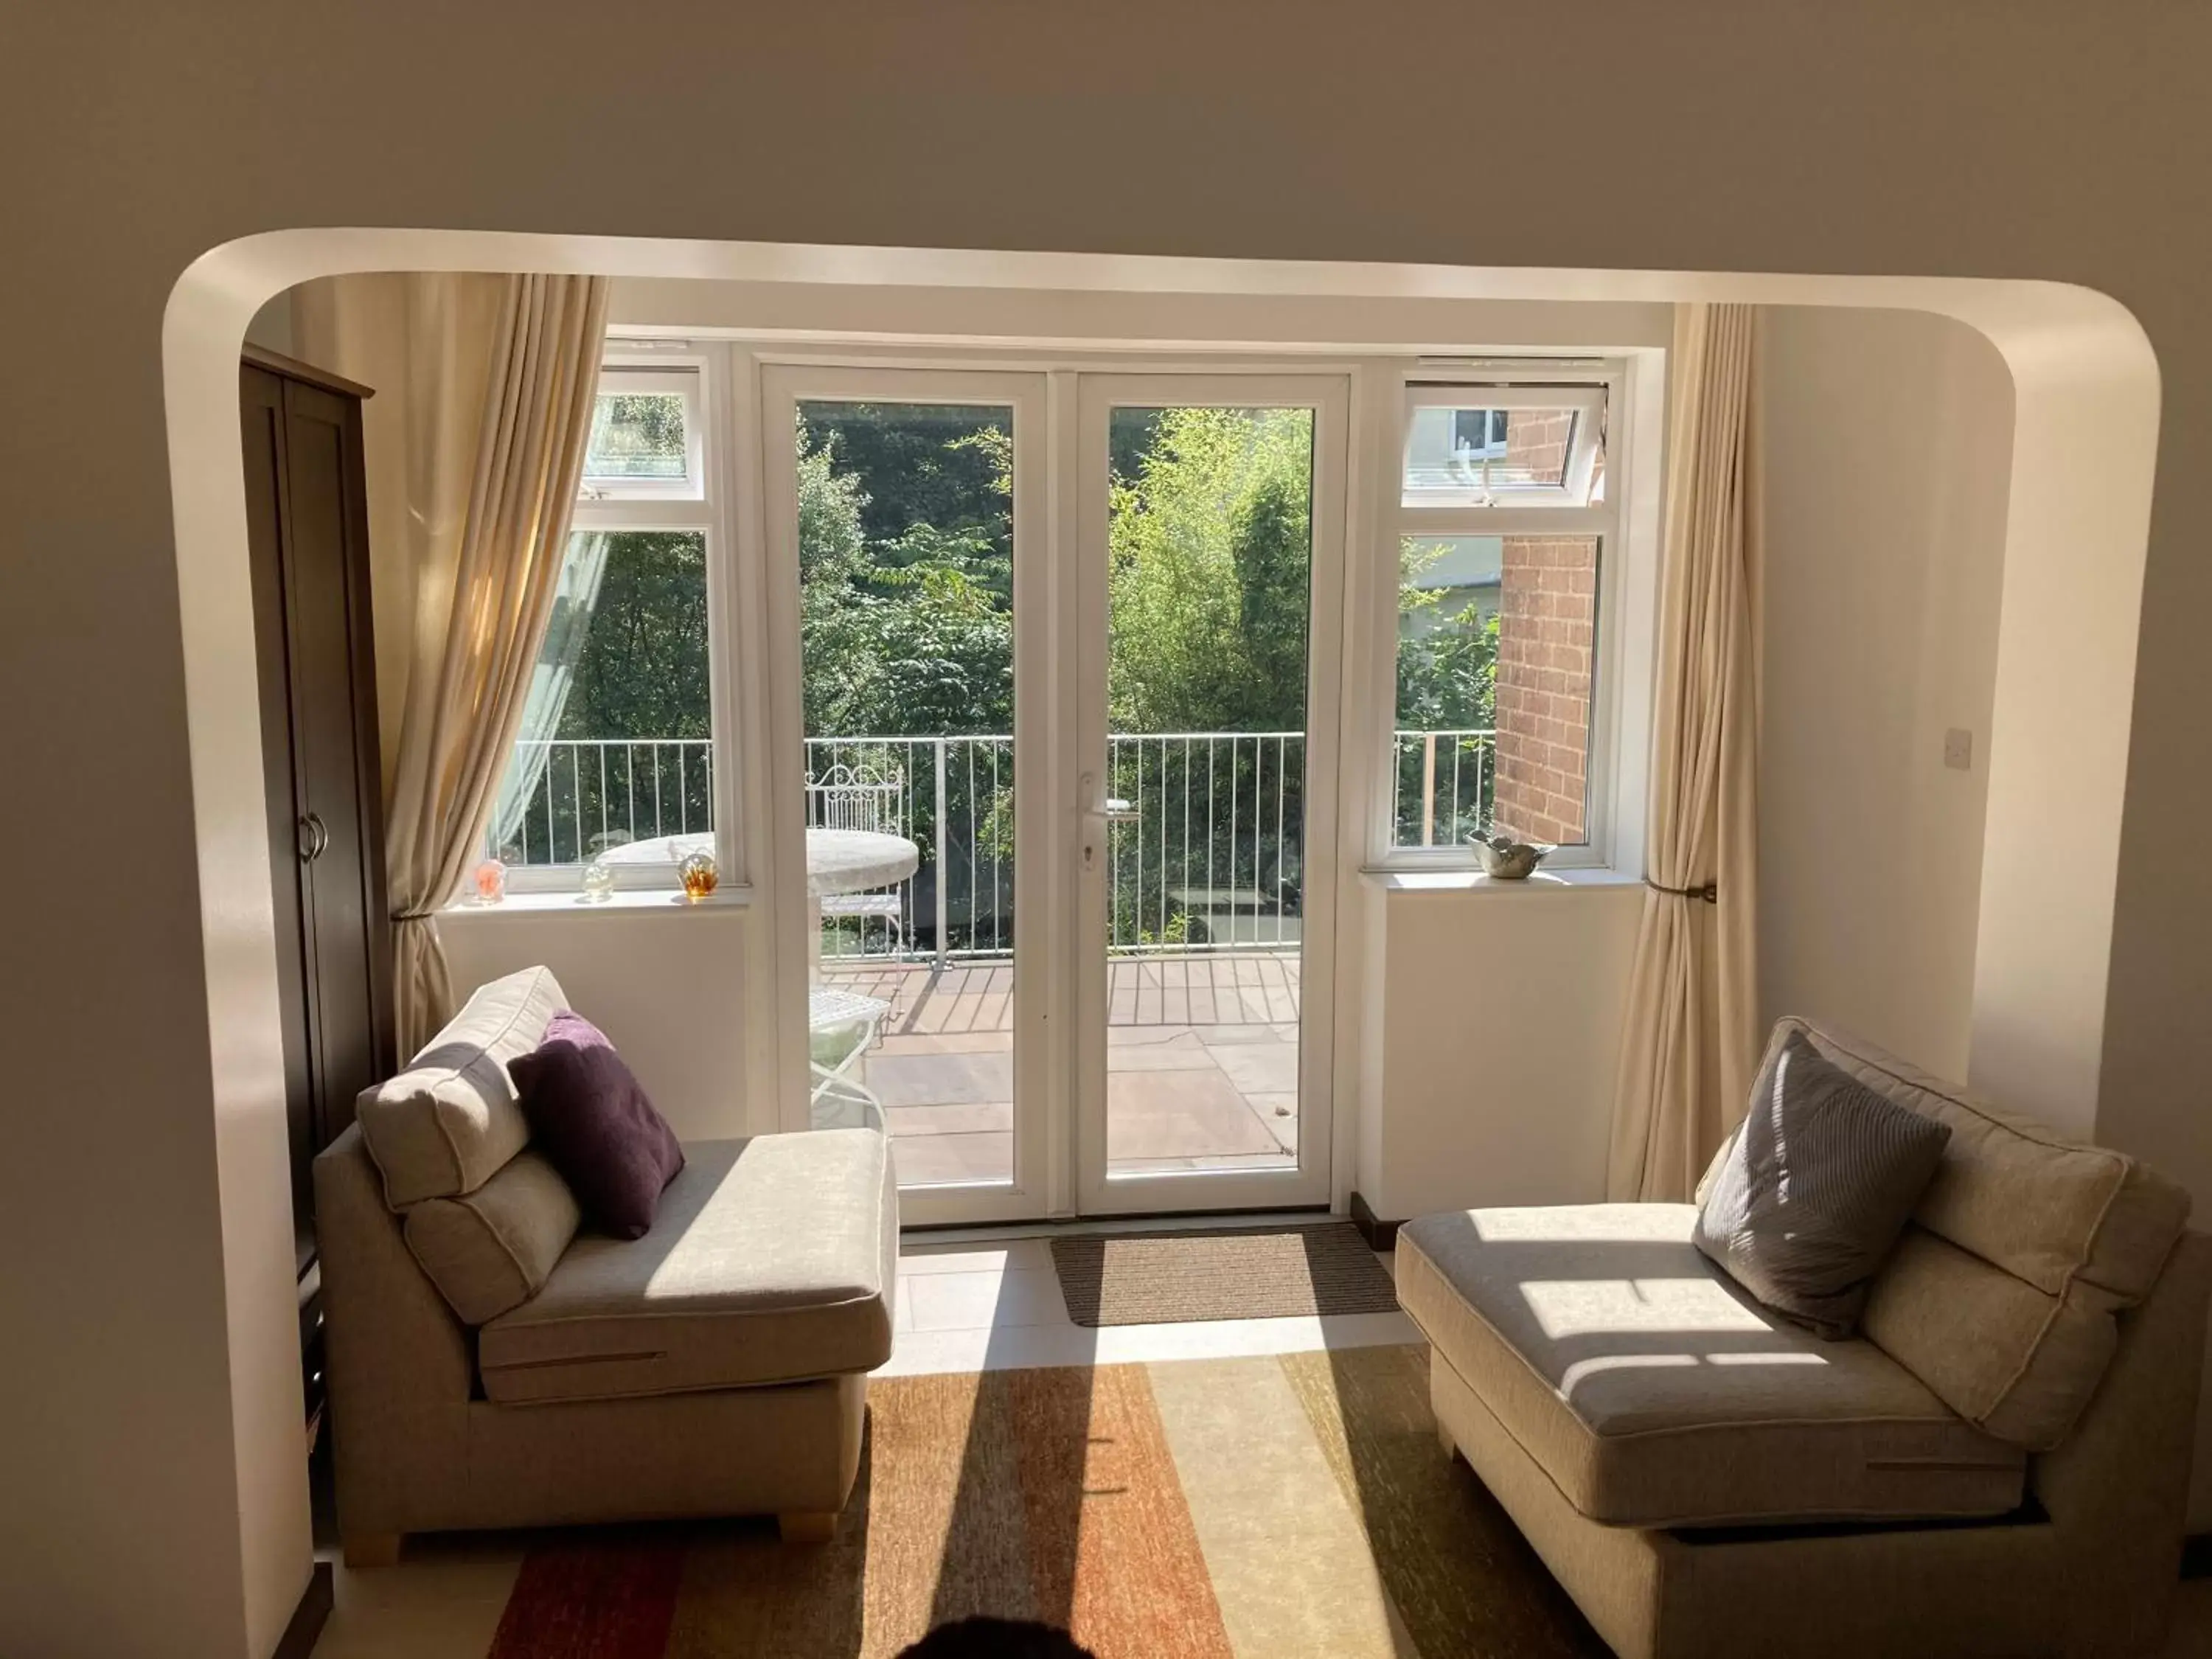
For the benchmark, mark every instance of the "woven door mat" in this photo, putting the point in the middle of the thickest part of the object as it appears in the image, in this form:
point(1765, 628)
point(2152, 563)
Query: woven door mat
point(1242, 1272)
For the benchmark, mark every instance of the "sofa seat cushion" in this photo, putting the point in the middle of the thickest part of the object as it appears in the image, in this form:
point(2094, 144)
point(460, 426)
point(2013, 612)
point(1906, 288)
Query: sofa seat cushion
point(1655, 1393)
point(773, 1259)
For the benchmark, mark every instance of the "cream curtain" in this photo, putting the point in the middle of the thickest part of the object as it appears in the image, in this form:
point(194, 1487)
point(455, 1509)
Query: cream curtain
point(498, 375)
point(1691, 1031)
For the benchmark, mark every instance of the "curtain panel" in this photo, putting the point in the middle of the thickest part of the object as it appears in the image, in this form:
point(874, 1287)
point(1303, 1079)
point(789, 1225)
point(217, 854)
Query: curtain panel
point(1691, 1035)
point(498, 375)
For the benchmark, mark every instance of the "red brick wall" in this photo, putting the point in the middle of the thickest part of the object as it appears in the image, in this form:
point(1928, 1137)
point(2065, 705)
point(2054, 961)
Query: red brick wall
point(1536, 439)
point(1547, 634)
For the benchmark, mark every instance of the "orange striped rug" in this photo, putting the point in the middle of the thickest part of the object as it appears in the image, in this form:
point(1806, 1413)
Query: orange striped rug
point(1238, 1508)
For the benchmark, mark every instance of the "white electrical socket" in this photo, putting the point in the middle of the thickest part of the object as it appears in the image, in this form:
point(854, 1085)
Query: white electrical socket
point(1959, 748)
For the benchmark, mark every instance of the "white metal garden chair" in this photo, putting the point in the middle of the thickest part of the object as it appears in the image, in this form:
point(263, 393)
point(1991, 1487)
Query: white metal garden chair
point(840, 1099)
point(860, 798)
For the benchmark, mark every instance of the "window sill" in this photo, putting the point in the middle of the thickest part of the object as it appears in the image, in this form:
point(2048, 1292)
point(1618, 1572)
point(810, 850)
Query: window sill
point(1473, 881)
point(569, 903)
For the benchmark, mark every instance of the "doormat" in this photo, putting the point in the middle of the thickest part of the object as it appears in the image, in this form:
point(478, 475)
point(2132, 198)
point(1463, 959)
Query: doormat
point(1243, 1273)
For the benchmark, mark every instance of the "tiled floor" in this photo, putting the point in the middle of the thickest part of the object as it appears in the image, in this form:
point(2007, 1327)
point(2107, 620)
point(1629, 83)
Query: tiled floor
point(983, 1307)
point(1201, 1061)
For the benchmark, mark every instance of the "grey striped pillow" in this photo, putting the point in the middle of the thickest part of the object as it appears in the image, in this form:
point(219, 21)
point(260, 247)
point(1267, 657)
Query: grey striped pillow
point(1806, 1202)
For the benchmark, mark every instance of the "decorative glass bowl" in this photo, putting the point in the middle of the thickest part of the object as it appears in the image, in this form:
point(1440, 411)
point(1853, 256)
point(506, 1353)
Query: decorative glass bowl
point(599, 882)
point(699, 874)
point(1504, 859)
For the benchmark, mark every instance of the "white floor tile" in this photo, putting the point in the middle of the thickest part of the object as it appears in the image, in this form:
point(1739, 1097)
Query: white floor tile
point(985, 1301)
point(1027, 1346)
point(429, 1609)
point(1028, 1254)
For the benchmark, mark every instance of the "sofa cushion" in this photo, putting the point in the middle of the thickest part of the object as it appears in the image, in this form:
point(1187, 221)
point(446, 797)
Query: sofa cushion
point(773, 1260)
point(445, 1125)
point(1815, 1188)
point(590, 1115)
point(1997, 1351)
point(491, 1250)
point(2001, 1297)
point(1655, 1393)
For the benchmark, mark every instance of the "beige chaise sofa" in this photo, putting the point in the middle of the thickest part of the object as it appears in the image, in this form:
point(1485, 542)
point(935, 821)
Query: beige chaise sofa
point(1997, 1464)
point(715, 1366)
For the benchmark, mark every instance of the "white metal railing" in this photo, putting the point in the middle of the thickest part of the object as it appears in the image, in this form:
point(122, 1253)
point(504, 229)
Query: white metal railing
point(1444, 786)
point(591, 794)
point(1206, 836)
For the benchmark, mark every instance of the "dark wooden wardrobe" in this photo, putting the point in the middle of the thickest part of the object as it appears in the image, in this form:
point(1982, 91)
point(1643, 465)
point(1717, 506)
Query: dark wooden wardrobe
point(308, 534)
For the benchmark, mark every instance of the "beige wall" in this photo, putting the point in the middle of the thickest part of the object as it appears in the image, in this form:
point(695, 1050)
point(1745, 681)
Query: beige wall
point(141, 1206)
point(1885, 441)
point(669, 987)
point(1500, 1035)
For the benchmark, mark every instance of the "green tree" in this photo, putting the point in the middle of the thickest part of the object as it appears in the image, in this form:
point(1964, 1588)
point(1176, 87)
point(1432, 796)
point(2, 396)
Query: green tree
point(1447, 658)
point(1209, 550)
point(910, 634)
point(644, 674)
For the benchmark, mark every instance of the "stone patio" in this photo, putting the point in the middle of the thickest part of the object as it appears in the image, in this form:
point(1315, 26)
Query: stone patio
point(1201, 1062)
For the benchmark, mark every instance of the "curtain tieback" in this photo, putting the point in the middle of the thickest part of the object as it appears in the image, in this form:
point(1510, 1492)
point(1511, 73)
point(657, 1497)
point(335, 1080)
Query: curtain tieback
point(1710, 892)
point(413, 915)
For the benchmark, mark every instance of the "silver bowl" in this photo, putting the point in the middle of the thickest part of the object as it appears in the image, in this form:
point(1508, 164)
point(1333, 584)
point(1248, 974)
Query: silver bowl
point(1504, 859)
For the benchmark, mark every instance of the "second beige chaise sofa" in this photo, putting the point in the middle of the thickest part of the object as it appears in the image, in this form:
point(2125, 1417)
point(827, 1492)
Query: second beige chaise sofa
point(1997, 1464)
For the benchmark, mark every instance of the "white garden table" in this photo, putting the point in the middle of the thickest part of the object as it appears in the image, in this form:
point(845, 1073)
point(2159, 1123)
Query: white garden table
point(837, 861)
point(849, 861)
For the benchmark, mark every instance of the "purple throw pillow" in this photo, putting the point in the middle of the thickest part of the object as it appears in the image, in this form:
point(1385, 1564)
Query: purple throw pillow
point(593, 1121)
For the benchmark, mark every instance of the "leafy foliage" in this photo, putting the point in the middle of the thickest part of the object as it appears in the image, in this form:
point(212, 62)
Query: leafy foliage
point(1208, 553)
point(911, 632)
point(644, 673)
point(1447, 660)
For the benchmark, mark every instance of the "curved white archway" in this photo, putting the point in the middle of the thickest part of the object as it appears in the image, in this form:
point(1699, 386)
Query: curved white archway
point(2086, 400)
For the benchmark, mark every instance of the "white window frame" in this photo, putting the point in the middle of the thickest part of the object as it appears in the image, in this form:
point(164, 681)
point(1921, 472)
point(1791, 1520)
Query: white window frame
point(1618, 395)
point(699, 504)
point(619, 376)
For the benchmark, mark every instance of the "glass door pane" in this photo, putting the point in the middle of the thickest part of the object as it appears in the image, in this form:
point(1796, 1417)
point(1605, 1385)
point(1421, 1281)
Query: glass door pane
point(1209, 552)
point(906, 567)
point(1200, 622)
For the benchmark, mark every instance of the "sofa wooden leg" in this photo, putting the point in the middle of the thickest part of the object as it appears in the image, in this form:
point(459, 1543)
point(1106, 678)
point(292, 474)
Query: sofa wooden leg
point(372, 1549)
point(1444, 1439)
point(807, 1526)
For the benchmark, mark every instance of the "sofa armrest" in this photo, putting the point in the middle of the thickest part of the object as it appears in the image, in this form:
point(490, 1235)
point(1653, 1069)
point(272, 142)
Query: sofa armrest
point(397, 1365)
point(2117, 1488)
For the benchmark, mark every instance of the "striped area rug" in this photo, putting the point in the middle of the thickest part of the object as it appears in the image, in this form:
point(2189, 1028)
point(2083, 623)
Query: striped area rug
point(1212, 1273)
point(1238, 1509)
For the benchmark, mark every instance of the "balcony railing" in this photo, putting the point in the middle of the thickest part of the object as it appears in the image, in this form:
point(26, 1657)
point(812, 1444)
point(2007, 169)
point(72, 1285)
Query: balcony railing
point(593, 793)
point(1443, 785)
point(1205, 841)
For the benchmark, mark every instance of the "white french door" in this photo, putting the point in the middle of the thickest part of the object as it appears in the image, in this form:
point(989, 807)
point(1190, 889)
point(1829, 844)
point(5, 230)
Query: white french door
point(896, 712)
point(1206, 613)
point(1107, 975)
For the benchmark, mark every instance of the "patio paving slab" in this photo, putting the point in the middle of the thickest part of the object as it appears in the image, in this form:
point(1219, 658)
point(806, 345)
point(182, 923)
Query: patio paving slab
point(1179, 1114)
point(893, 1041)
point(1186, 1053)
point(978, 1117)
point(941, 1160)
point(942, 1079)
point(1259, 1067)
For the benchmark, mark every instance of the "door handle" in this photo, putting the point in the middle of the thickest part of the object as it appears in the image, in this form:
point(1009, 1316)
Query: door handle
point(314, 838)
point(1090, 802)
